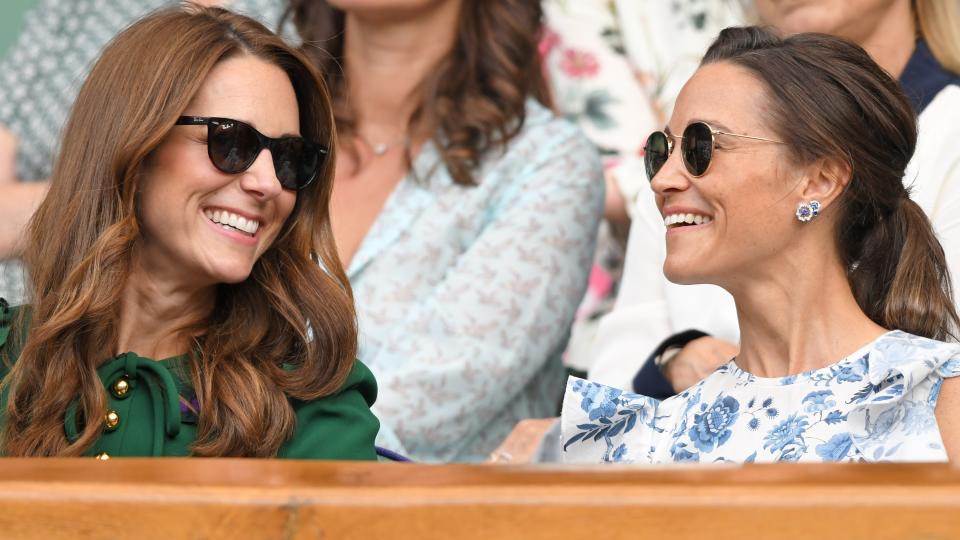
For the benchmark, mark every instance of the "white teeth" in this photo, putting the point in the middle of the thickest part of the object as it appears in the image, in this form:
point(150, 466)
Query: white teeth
point(229, 220)
point(692, 219)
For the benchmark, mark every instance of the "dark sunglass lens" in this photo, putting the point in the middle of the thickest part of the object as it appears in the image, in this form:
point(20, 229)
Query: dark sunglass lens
point(296, 162)
point(233, 146)
point(655, 153)
point(697, 148)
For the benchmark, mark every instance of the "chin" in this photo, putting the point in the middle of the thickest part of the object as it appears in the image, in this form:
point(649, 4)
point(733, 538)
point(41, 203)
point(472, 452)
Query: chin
point(231, 275)
point(683, 273)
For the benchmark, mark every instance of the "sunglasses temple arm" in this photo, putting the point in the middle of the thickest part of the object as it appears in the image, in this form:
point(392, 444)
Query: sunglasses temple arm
point(747, 137)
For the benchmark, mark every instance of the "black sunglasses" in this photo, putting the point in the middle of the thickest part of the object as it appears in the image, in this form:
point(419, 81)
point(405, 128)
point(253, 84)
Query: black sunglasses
point(233, 146)
point(696, 148)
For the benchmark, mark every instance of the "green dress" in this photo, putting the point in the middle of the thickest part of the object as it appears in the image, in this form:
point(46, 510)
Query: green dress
point(151, 410)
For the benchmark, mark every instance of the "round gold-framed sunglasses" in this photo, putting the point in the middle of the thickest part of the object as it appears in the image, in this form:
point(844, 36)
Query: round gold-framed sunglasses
point(696, 148)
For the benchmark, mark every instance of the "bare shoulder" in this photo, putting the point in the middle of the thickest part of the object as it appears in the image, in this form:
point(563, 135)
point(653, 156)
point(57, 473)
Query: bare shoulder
point(948, 416)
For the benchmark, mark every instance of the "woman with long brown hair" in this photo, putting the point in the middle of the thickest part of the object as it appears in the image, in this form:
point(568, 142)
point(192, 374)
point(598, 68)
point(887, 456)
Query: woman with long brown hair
point(185, 220)
point(465, 211)
point(789, 194)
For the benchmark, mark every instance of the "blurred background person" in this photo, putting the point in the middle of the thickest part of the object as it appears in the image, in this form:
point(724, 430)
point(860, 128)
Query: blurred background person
point(464, 210)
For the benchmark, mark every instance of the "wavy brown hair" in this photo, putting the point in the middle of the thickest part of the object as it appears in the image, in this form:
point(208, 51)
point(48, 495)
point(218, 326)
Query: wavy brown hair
point(827, 99)
point(473, 101)
point(288, 331)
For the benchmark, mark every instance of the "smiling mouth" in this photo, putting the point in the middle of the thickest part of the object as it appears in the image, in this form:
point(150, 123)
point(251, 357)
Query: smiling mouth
point(674, 221)
point(233, 222)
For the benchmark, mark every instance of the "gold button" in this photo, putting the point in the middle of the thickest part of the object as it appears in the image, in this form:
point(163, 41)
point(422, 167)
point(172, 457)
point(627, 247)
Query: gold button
point(120, 388)
point(102, 456)
point(111, 420)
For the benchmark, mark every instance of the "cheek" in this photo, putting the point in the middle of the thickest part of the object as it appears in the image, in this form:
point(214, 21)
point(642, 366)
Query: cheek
point(754, 211)
point(285, 203)
point(283, 208)
point(152, 202)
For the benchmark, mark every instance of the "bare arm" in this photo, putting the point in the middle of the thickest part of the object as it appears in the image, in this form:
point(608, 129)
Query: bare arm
point(523, 442)
point(8, 155)
point(948, 417)
point(18, 200)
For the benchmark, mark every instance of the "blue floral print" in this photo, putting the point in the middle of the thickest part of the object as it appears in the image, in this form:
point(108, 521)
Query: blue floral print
point(836, 448)
point(819, 401)
point(787, 437)
point(711, 427)
point(598, 401)
point(875, 405)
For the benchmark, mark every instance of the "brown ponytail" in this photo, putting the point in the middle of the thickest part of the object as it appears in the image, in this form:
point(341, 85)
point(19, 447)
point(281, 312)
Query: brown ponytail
point(901, 279)
point(829, 99)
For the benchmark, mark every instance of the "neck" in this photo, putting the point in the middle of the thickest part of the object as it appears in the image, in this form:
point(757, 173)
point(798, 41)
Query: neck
point(893, 39)
point(387, 60)
point(799, 316)
point(154, 311)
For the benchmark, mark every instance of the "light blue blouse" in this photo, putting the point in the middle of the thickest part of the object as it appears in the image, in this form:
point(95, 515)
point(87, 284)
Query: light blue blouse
point(465, 295)
point(875, 405)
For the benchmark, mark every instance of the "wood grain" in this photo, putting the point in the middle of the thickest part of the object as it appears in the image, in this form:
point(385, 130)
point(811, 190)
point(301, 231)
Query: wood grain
point(270, 499)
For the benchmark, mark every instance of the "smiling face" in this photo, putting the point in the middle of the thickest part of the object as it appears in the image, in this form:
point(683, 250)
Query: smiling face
point(738, 216)
point(198, 224)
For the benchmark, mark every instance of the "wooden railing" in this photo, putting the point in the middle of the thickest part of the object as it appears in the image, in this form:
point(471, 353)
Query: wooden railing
point(235, 499)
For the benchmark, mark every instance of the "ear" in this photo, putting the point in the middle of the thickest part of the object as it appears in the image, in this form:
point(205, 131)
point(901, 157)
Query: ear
point(825, 181)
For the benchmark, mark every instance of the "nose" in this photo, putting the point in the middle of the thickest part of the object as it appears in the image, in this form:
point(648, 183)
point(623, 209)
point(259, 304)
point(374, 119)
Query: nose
point(672, 176)
point(260, 180)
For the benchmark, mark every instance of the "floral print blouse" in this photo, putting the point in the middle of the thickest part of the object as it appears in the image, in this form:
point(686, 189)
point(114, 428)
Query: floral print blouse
point(875, 405)
point(465, 294)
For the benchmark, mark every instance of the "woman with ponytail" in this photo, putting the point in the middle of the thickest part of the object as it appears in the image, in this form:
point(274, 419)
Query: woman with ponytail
point(177, 303)
point(780, 179)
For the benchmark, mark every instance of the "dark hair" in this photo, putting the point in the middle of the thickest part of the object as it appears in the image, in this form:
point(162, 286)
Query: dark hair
point(828, 99)
point(287, 331)
point(475, 100)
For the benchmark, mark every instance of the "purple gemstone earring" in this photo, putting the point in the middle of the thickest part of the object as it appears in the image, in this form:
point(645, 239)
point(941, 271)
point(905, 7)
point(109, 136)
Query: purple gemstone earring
point(808, 210)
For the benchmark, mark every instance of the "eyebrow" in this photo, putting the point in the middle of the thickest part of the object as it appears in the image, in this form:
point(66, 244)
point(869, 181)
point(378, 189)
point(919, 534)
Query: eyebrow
point(712, 123)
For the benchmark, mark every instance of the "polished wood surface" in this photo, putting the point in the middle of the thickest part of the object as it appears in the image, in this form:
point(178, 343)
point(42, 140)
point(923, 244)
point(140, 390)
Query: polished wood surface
point(234, 498)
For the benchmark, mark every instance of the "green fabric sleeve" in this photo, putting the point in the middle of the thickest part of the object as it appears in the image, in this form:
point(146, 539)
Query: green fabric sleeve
point(340, 426)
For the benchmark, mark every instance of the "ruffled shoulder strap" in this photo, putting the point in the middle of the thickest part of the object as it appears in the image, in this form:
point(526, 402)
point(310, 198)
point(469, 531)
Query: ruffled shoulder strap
point(597, 419)
point(894, 414)
point(913, 357)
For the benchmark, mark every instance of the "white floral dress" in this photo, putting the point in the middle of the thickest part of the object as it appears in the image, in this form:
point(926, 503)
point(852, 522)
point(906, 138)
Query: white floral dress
point(875, 405)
